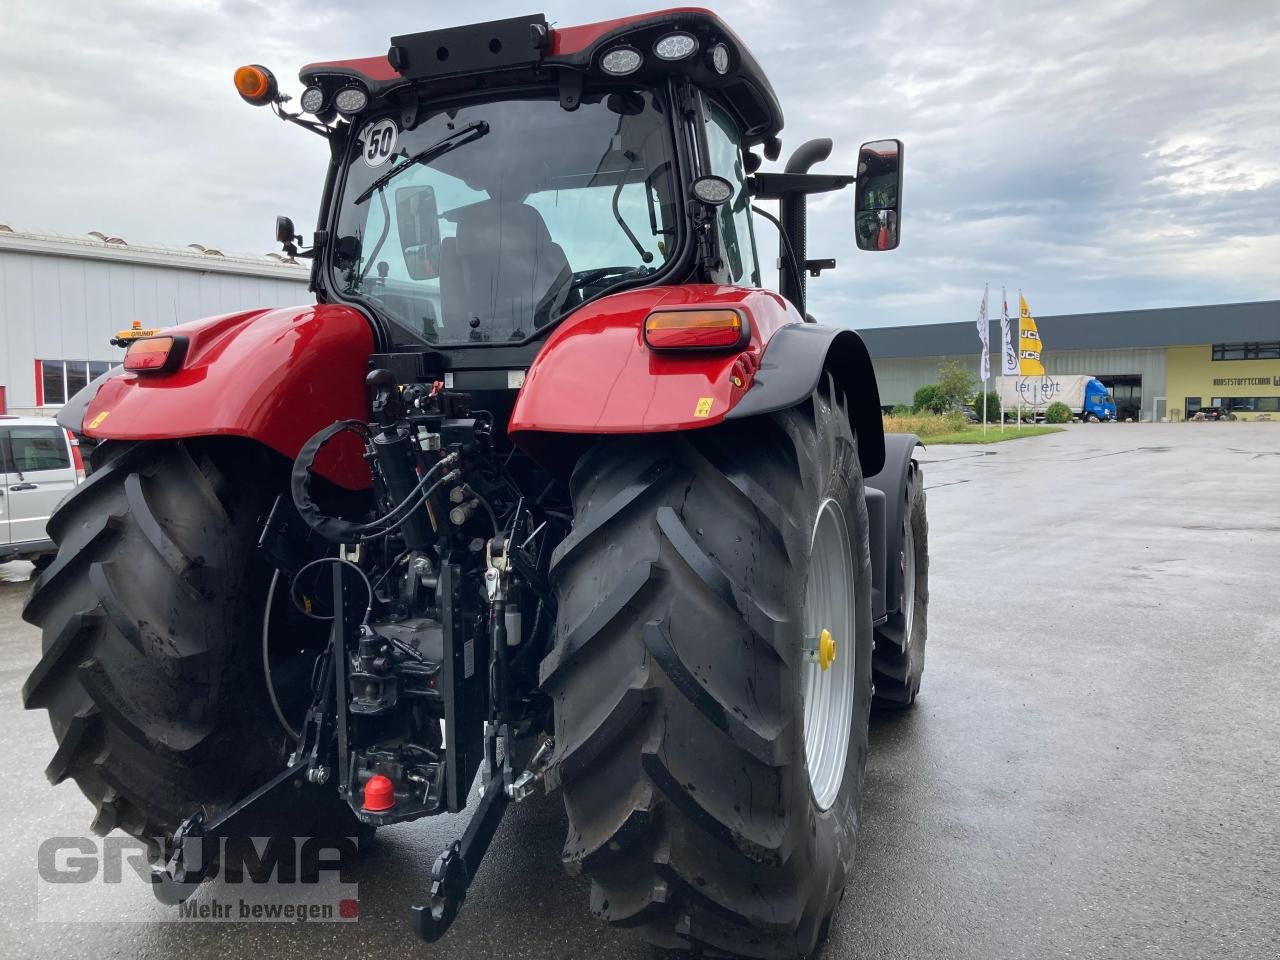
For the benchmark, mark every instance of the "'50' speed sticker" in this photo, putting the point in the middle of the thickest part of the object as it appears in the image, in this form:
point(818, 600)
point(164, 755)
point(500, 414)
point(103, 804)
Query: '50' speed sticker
point(378, 142)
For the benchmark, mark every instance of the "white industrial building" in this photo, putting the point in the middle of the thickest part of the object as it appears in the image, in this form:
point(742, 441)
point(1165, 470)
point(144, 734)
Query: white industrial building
point(63, 297)
point(1164, 363)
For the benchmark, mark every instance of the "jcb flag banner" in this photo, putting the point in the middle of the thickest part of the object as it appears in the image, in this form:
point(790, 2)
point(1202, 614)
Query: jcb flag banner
point(1029, 362)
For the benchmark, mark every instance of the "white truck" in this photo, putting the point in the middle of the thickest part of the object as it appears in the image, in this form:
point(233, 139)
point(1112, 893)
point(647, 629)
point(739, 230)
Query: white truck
point(1084, 394)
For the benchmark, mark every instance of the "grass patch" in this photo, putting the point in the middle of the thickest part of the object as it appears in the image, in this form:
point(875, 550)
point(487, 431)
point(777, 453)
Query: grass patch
point(925, 425)
point(973, 434)
point(953, 428)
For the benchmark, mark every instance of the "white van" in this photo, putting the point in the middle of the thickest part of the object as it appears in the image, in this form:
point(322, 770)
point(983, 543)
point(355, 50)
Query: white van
point(39, 464)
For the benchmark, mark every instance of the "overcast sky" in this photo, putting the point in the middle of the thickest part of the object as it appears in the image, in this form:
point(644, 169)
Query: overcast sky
point(1099, 156)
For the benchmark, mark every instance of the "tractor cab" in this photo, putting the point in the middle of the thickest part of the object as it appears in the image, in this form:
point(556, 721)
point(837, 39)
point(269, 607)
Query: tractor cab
point(488, 180)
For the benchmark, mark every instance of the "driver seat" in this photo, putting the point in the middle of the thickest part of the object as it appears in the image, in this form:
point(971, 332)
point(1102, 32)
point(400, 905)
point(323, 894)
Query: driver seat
point(498, 269)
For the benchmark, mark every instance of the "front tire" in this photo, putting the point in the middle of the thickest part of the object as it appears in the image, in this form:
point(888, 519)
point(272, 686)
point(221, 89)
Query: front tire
point(679, 681)
point(900, 640)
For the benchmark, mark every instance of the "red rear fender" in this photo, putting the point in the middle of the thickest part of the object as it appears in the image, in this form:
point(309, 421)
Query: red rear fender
point(596, 375)
point(276, 376)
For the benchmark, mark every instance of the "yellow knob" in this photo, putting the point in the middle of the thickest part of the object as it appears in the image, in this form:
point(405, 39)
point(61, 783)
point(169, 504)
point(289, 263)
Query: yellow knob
point(826, 650)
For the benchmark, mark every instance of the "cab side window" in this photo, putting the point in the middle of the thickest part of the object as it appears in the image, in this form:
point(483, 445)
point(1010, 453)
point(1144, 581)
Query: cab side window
point(724, 156)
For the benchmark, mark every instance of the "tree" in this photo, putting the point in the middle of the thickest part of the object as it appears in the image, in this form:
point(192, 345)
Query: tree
point(928, 399)
point(956, 384)
point(993, 406)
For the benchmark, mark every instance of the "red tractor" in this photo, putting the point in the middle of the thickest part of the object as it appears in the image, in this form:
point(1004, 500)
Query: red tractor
point(546, 488)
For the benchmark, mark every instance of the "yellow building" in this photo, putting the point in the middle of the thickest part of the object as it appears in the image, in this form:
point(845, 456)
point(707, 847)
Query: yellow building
point(1242, 379)
point(1160, 364)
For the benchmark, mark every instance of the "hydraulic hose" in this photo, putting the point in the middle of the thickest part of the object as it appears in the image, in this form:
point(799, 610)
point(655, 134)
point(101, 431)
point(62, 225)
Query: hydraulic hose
point(266, 660)
point(335, 529)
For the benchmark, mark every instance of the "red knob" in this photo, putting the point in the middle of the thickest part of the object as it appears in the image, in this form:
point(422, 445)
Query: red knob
point(379, 794)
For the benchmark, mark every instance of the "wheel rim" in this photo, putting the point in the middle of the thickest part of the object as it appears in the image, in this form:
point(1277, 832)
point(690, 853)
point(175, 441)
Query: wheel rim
point(908, 581)
point(829, 694)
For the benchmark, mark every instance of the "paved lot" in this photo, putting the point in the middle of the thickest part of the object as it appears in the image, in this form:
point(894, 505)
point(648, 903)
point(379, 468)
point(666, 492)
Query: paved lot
point(1093, 769)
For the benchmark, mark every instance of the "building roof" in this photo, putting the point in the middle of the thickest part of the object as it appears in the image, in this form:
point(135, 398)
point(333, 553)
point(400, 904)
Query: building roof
point(1165, 327)
point(195, 256)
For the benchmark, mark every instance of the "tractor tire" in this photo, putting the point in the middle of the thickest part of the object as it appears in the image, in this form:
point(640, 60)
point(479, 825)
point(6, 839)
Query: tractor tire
point(151, 617)
point(679, 679)
point(900, 640)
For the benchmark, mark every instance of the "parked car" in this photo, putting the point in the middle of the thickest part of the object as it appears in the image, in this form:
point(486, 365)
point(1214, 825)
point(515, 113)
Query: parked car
point(39, 464)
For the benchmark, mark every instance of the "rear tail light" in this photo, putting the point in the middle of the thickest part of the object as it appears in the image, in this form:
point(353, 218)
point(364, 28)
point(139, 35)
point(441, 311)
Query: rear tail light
point(76, 458)
point(718, 329)
point(155, 354)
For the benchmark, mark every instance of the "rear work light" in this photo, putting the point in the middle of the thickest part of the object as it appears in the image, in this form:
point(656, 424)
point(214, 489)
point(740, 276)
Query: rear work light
point(713, 329)
point(155, 354)
point(621, 61)
point(676, 46)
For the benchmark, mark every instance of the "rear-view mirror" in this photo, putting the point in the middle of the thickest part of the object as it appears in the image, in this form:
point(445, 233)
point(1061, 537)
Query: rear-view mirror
point(418, 222)
point(878, 195)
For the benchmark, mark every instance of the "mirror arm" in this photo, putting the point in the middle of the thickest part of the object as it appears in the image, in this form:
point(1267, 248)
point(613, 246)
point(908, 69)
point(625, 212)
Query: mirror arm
point(777, 186)
point(314, 126)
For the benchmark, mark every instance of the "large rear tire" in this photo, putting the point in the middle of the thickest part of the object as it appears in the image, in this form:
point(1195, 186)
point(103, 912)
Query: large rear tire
point(151, 617)
point(900, 640)
point(679, 681)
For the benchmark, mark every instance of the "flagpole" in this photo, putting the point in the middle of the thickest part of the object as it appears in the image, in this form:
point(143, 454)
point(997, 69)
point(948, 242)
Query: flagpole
point(1004, 348)
point(1019, 430)
point(984, 362)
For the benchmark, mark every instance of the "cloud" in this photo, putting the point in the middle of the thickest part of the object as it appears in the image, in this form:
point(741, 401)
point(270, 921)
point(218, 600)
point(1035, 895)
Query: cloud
point(1097, 156)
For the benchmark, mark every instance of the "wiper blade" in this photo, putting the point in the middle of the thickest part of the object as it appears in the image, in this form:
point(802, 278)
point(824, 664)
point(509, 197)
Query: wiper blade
point(645, 255)
point(459, 137)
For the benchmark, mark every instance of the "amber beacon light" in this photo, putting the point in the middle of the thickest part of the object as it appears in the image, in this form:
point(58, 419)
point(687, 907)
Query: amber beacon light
point(256, 85)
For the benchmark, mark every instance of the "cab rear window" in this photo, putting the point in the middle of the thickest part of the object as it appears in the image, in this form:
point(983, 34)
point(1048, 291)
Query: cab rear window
point(38, 448)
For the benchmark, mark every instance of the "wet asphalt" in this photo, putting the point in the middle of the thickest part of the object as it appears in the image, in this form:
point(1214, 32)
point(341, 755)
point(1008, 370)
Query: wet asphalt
point(1092, 769)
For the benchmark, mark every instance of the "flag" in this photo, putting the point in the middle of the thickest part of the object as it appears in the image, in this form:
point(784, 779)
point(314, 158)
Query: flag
point(1009, 366)
point(1030, 363)
point(984, 334)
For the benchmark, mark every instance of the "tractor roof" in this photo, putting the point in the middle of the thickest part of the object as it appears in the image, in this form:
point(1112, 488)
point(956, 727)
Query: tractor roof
point(528, 50)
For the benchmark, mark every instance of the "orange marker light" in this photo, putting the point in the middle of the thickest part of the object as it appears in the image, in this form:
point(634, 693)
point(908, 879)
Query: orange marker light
point(155, 354)
point(720, 329)
point(256, 84)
